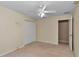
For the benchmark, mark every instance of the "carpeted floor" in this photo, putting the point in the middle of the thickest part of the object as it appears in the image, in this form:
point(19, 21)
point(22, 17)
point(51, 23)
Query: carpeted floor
point(39, 49)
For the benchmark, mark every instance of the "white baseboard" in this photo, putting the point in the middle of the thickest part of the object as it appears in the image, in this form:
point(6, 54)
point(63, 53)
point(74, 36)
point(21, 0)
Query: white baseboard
point(7, 52)
point(14, 49)
point(48, 42)
point(21, 46)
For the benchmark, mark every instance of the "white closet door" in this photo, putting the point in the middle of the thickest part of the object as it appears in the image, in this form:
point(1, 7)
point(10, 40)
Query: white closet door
point(29, 32)
point(70, 34)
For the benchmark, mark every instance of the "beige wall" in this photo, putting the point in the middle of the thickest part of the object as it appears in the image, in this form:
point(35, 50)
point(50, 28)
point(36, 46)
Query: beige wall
point(11, 24)
point(47, 29)
point(76, 30)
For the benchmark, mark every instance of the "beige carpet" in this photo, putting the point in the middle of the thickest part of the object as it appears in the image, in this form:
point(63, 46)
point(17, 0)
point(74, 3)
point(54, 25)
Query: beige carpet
point(39, 49)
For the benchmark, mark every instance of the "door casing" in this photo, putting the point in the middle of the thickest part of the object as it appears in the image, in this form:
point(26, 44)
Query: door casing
point(70, 33)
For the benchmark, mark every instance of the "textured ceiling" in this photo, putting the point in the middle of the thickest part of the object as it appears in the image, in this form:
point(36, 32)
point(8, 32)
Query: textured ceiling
point(30, 8)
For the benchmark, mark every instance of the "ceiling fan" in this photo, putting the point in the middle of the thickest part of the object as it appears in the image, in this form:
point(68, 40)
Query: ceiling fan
point(43, 11)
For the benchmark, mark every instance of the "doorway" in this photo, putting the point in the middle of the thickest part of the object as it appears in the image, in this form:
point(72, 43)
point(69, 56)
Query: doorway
point(63, 29)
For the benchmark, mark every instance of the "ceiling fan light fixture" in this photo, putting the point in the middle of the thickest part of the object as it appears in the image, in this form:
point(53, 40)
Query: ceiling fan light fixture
point(43, 11)
point(42, 15)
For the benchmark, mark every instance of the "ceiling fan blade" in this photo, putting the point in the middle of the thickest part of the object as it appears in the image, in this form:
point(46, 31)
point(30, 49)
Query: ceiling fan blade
point(49, 11)
point(44, 7)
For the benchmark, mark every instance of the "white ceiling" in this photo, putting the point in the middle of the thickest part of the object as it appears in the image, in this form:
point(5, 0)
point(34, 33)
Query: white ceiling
point(30, 8)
